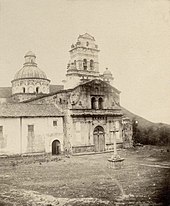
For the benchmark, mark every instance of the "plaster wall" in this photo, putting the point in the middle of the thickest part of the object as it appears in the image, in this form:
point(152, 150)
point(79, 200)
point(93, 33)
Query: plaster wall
point(15, 135)
point(44, 133)
point(10, 141)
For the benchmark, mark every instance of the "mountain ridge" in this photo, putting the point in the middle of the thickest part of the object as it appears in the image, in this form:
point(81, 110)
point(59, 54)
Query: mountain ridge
point(142, 122)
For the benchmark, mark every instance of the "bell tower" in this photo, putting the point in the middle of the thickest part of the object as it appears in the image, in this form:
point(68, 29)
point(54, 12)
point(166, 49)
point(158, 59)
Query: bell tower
point(83, 64)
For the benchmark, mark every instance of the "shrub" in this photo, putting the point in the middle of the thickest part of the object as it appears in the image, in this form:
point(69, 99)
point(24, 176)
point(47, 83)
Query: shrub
point(159, 135)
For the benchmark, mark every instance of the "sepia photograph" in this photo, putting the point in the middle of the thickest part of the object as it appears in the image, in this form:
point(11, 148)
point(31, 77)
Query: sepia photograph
point(84, 102)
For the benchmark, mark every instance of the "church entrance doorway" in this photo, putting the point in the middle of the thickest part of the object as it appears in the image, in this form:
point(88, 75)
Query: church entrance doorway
point(99, 139)
point(56, 147)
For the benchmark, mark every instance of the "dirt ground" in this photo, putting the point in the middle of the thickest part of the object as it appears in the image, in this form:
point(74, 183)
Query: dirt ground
point(143, 179)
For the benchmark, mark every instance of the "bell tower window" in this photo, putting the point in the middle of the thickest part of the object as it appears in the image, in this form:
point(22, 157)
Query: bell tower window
point(75, 63)
point(91, 64)
point(85, 64)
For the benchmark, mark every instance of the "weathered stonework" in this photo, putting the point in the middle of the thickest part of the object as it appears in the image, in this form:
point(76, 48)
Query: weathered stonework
point(127, 133)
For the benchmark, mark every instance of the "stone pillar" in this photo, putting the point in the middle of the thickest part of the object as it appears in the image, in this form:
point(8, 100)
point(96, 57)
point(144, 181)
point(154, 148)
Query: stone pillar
point(114, 141)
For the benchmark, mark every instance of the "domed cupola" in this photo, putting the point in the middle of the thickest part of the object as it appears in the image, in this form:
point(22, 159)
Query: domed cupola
point(107, 76)
point(30, 79)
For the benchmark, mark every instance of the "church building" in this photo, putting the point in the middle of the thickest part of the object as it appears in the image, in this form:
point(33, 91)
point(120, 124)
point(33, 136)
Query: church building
point(82, 115)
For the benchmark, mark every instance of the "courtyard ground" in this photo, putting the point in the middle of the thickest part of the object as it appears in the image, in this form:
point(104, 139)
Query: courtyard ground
point(86, 180)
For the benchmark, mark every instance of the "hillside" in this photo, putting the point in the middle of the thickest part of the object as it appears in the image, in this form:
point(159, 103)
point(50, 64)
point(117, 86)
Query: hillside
point(147, 132)
point(142, 122)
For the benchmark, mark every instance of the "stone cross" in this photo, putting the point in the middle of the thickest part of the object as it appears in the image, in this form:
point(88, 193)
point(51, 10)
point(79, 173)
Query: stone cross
point(113, 132)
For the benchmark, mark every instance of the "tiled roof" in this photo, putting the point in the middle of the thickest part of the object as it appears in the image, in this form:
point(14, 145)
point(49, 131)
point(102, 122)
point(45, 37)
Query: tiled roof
point(5, 92)
point(56, 88)
point(29, 110)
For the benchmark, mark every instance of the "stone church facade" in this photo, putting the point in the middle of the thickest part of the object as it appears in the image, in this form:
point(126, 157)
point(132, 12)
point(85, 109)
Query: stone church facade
point(83, 116)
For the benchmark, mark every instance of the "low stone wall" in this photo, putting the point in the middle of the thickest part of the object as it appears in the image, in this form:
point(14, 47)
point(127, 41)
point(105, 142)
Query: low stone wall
point(83, 148)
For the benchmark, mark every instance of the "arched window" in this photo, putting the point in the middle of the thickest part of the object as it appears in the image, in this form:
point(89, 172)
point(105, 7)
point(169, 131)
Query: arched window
point(85, 64)
point(87, 43)
point(23, 89)
point(93, 103)
point(100, 103)
point(37, 89)
point(91, 64)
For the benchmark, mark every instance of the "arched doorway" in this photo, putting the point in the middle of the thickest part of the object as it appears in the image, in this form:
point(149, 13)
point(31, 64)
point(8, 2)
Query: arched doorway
point(56, 147)
point(99, 139)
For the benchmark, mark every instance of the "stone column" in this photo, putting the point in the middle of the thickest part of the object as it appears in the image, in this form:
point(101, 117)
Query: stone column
point(114, 141)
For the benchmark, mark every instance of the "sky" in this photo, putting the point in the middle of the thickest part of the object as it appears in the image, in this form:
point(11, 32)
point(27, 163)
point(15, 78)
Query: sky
point(133, 37)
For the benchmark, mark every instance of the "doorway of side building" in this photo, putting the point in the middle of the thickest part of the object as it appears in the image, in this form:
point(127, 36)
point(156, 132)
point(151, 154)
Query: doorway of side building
point(99, 139)
point(56, 150)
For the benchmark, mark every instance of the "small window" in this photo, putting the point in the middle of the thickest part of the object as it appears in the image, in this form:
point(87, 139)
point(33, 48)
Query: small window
point(96, 89)
point(30, 128)
point(91, 64)
point(37, 89)
point(1, 129)
point(2, 143)
point(87, 43)
point(55, 123)
point(60, 100)
point(23, 89)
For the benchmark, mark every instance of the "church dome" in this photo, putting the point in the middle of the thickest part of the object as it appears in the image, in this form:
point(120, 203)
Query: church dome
point(30, 69)
point(30, 72)
point(30, 79)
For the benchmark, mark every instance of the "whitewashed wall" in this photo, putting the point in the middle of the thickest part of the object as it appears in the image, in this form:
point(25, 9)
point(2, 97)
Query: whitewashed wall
point(15, 132)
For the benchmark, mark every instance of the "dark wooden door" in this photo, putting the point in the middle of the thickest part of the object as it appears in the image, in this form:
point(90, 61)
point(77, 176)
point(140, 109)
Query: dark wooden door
point(56, 147)
point(99, 139)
